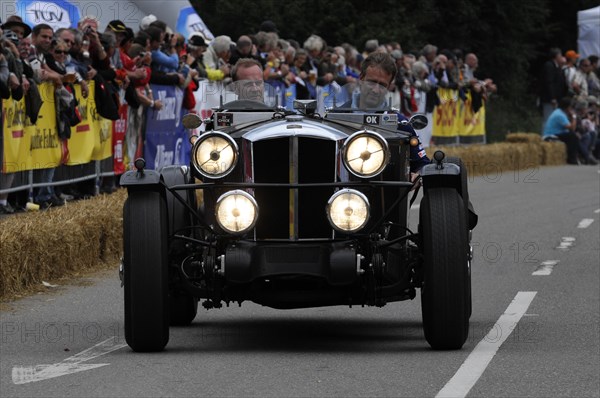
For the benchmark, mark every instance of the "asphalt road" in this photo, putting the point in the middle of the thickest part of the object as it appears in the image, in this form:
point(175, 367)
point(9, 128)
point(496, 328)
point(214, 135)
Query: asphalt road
point(535, 328)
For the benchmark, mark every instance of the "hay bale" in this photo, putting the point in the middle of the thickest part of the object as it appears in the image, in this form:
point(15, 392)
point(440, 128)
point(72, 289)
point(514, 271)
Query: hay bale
point(553, 153)
point(533, 138)
point(60, 242)
point(488, 159)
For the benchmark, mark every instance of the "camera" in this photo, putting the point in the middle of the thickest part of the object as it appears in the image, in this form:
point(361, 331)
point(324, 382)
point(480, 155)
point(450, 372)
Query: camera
point(9, 35)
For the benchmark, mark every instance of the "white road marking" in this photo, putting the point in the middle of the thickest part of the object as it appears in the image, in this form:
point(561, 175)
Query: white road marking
point(32, 374)
point(566, 243)
point(597, 211)
point(545, 268)
point(586, 222)
point(476, 363)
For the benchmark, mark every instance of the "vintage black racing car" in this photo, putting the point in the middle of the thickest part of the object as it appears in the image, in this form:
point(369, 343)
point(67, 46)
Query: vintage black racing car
point(295, 209)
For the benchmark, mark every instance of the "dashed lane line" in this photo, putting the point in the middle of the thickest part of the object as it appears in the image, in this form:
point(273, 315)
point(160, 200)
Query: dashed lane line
point(566, 242)
point(586, 222)
point(545, 268)
point(479, 359)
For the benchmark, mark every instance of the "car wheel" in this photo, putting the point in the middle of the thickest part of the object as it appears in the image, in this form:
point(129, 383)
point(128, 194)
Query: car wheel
point(445, 298)
point(178, 215)
point(464, 192)
point(183, 309)
point(145, 271)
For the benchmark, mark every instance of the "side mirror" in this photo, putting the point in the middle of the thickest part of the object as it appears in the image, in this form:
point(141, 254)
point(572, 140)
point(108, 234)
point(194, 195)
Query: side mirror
point(191, 121)
point(418, 121)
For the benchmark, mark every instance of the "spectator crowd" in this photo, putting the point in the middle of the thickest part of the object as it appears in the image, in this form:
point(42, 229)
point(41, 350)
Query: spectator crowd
point(128, 58)
point(570, 89)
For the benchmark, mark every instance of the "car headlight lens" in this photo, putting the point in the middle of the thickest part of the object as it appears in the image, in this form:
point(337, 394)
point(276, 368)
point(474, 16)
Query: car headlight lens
point(214, 155)
point(348, 210)
point(366, 154)
point(236, 212)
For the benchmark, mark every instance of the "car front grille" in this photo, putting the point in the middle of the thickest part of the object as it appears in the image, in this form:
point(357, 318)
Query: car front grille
point(293, 214)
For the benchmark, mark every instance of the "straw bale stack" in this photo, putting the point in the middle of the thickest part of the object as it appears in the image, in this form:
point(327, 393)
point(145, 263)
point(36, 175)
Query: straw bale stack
point(553, 153)
point(48, 245)
point(533, 138)
point(520, 151)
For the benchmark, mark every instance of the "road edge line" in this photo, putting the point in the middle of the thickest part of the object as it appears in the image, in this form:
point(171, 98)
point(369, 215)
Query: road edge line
point(473, 367)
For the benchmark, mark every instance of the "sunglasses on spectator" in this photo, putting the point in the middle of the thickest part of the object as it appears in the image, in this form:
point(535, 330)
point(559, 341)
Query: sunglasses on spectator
point(59, 52)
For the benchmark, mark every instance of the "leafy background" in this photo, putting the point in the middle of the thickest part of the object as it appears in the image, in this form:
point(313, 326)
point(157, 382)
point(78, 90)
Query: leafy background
point(510, 37)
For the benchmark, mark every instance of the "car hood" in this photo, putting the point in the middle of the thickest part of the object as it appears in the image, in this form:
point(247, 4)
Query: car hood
point(296, 125)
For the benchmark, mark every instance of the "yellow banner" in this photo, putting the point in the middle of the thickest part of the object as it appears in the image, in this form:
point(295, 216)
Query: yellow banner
point(16, 137)
point(37, 146)
point(102, 129)
point(45, 146)
point(81, 143)
point(90, 139)
point(473, 124)
point(454, 117)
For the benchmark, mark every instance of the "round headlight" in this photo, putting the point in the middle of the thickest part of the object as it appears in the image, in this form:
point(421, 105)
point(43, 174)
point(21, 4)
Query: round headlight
point(366, 154)
point(236, 212)
point(348, 210)
point(214, 155)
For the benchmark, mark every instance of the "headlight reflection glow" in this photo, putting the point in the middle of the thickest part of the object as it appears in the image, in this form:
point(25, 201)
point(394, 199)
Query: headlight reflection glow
point(348, 210)
point(236, 212)
point(366, 154)
point(214, 155)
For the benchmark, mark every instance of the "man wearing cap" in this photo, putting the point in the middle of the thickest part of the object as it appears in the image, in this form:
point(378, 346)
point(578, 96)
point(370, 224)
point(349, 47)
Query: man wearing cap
point(167, 62)
point(196, 46)
point(16, 24)
point(573, 76)
point(10, 85)
point(9, 49)
point(119, 29)
point(120, 60)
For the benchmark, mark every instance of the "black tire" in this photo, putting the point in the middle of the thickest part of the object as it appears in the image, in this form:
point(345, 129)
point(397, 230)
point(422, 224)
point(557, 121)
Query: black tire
point(464, 192)
point(445, 297)
point(145, 271)
point(183, 306)
point(178, 215)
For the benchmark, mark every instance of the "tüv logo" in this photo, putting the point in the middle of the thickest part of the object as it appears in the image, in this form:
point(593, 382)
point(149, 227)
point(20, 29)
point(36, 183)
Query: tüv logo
point(56, 14)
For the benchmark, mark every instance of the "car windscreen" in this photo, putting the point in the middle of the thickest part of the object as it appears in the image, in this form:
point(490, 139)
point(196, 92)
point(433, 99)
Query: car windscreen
point(360, 95)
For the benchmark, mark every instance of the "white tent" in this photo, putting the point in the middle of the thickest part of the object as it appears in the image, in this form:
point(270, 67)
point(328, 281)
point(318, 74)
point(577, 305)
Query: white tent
point(588, 42)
